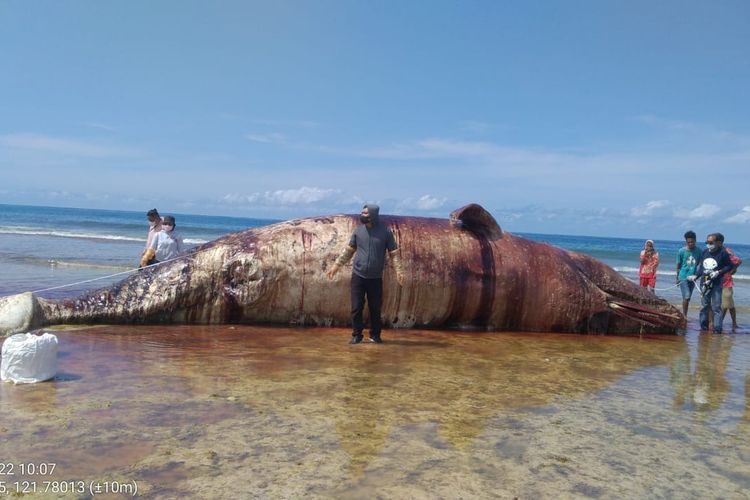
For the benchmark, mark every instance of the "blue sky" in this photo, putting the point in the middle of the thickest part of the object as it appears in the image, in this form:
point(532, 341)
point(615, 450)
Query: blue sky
point(614, 118)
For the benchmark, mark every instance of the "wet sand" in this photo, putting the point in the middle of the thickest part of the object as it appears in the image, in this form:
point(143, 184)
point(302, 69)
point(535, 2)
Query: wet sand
point(247, 411)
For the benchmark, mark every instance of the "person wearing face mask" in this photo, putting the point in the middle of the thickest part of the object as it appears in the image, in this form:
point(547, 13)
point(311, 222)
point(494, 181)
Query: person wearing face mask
point(368, 245)
point(712, 265)
point(154, 226)
point(166, 245)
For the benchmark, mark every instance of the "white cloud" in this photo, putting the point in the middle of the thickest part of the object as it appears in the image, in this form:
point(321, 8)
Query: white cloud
point(66, 197)
point(99, 197)
point(523, 161)
point(301, 195)
point(666, 123)
point(649, 208)
point(57, 145)
point(704, 211)
point(742, 217)
point(428, 202)
point(424, 149)
point(319, 200)
point(705, 133)
point(266, 138)
point(425, 203)
point(511, 216)
point(240, 199)
point(391, 152)
point(444, 147)
point(577, 168)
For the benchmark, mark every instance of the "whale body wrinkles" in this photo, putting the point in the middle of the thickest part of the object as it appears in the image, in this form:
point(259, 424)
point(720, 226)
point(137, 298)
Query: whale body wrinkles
point(463, 272)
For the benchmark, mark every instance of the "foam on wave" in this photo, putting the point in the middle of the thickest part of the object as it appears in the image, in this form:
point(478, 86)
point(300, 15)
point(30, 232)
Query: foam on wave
point(28, 231)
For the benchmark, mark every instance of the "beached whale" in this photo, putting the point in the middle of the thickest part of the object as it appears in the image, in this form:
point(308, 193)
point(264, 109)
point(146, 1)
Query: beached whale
point(462, 272)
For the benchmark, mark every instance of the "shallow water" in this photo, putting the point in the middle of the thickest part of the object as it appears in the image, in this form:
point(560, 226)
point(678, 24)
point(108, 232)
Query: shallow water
point(225, 411)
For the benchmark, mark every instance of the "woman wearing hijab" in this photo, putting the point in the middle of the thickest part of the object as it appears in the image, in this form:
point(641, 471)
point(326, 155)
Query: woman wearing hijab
point(649, 263)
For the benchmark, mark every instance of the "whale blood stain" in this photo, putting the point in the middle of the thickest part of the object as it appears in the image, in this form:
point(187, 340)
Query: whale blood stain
point(489, 279)
point(307, 239)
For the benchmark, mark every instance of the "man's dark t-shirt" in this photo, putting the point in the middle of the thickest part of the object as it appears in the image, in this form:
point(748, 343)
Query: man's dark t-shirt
point(722, 259)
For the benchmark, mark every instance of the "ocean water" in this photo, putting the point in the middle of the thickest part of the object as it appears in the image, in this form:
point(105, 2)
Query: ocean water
point(44, 247)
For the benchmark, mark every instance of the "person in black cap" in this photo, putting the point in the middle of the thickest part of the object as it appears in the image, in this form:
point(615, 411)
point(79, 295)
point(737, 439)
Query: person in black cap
point(166, 245)
point(368, 245)
point(154, 226)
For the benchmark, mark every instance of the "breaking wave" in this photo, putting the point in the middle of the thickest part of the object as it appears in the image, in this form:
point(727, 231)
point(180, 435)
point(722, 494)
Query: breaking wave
point(56, 233)
point(671, 273)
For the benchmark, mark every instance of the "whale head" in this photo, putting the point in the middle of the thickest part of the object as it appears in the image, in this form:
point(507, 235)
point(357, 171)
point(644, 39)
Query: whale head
point(19, 313)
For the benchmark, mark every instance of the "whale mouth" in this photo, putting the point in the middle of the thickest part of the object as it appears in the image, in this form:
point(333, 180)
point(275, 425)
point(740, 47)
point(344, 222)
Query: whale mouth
point(645, 315)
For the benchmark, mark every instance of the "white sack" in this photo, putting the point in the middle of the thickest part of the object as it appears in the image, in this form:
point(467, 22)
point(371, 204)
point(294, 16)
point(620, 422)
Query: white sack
point(28, 358)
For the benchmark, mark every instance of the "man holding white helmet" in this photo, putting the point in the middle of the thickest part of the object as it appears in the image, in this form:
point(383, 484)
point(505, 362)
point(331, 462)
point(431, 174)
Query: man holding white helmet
point(712, 265)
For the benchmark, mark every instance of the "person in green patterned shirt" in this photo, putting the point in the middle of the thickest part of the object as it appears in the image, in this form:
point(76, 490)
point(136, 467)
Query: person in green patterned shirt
point(687, 261)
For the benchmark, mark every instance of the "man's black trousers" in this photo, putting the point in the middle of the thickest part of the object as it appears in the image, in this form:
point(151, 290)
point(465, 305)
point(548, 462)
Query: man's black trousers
point(373, 290)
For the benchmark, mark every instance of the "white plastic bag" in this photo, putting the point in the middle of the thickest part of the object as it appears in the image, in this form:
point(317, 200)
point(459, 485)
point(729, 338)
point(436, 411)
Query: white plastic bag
point(28, 358)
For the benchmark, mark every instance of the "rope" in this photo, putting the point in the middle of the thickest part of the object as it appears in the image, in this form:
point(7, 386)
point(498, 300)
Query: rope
point(656, 289)
point(668, 288)
point(109, 276)
point(697, 285)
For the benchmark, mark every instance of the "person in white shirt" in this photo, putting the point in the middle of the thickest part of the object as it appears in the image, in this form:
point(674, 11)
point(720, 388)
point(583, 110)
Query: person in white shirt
point(154, 226)
point(166, 244)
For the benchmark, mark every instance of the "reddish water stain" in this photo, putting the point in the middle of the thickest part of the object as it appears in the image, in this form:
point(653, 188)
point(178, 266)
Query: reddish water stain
point(191, 409)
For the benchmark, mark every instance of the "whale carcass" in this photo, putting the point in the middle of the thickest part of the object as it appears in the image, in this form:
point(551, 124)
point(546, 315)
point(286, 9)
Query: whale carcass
point(463, 272)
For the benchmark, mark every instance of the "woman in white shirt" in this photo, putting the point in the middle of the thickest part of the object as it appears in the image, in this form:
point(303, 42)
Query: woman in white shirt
point(166, 244)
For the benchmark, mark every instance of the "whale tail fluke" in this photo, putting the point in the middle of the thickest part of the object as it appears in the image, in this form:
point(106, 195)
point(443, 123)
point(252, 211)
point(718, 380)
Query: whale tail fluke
point(19, 313)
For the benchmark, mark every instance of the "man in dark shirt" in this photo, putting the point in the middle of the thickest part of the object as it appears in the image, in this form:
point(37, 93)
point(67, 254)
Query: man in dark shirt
point(368, 245)
point(712, 265)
